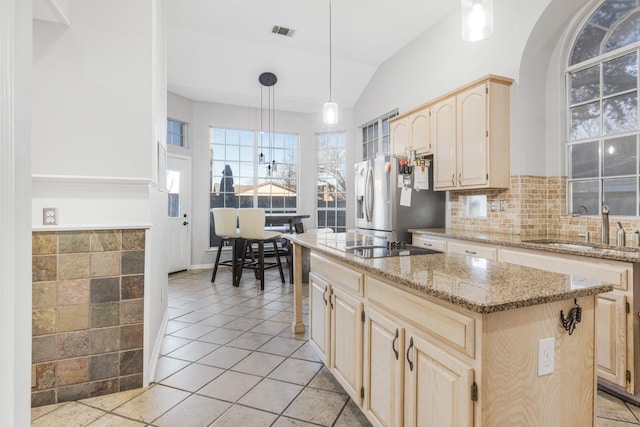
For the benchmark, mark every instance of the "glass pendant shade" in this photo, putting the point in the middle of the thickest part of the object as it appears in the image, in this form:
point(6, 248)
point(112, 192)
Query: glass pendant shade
point(330, 113)
point(477, 19)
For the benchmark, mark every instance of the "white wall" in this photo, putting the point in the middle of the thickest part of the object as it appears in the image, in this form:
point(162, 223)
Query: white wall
point(99, 113)
point(15, 193)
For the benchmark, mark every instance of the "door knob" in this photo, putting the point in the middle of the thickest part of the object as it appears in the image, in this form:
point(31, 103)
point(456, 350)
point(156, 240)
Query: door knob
point(185, 223)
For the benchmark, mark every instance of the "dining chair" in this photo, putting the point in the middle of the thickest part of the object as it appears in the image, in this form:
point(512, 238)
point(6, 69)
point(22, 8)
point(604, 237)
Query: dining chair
point(225, 222)
point(252, 231)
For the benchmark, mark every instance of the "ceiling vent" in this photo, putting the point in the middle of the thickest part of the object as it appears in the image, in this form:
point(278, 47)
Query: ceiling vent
point(283, 31)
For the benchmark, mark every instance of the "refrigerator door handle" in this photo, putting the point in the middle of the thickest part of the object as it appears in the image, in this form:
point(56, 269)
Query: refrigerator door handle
point(368, 195)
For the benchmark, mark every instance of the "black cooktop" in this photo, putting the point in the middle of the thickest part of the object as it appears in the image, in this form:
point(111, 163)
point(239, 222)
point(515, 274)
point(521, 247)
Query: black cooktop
point(382, 252)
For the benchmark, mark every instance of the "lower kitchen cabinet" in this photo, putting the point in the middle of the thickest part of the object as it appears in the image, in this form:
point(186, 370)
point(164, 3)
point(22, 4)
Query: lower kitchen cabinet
point(335, 320)
point(409, 381)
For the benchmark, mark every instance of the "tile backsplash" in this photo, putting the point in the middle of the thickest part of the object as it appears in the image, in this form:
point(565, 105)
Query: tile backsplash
point(534, 206)
point(88, 313)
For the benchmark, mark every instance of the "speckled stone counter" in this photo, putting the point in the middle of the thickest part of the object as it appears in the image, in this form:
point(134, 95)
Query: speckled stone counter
point(476, 284)
point(582, 248)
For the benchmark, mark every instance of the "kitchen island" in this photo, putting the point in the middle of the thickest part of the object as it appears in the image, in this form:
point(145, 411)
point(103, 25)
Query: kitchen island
point(451, 340)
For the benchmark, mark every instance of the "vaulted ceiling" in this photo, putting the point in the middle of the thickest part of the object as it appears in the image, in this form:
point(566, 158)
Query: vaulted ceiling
point(216, 49)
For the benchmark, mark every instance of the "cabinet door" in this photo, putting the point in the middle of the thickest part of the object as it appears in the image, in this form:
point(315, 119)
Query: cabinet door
point(472, 134)
point(319, 316)
point(346, 341)
point(437, 387)
point(611, 335)
point(420, 132)
point(383, 370)
point(443, 135)
point(400, 136)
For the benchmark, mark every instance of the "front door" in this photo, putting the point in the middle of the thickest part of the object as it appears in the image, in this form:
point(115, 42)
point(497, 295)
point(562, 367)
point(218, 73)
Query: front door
point(179, 187)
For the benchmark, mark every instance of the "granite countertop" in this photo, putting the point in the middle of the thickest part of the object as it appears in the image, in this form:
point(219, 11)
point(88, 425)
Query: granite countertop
point(579, 247)
point(476, 284)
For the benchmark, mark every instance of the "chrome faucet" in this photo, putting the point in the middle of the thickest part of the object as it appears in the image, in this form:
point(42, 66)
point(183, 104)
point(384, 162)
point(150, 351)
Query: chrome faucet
point(586, 231)
point(604, 237)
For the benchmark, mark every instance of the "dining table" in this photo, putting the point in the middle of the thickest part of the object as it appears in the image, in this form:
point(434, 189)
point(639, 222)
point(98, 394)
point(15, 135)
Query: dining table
point(293, 220)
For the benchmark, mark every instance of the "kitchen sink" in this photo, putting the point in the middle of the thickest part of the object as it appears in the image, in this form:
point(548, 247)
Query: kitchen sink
point(568, 245)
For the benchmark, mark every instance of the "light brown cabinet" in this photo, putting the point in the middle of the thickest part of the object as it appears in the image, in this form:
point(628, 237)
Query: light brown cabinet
point(470, 133)
point(335, 321)
point(412, 132)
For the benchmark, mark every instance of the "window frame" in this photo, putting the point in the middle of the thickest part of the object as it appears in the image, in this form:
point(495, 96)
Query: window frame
point(381, 145)
point(599, 177)
point(339, 213)
point(182, 136)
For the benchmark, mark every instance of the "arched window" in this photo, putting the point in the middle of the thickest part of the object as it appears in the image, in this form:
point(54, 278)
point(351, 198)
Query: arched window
point(602, 105)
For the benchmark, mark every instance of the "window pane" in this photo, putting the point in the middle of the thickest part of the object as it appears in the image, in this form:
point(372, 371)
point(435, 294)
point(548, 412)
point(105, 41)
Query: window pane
point(587, 45)
point(610, 11)
point(585, 193)
point(619, 157)
point(627, 33)
point(584, 160)
point(585, 121)
point(620, 196)
point(620, 113)
point(585, 85)
point(620, 74)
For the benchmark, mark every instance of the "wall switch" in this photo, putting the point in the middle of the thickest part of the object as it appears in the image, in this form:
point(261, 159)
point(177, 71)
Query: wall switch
point(546, 356)
point(503, 205)
point(493, 206)
point(49, 216)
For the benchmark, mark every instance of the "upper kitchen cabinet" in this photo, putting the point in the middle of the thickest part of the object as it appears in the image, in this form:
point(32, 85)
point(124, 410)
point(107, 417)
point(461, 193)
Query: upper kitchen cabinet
point(470, 133)
point(411, 132)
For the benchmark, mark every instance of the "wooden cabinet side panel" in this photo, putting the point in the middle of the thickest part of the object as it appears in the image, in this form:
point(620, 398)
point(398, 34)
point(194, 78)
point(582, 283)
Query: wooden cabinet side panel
point(400, 135)
point(512, 393)
point(499, 140)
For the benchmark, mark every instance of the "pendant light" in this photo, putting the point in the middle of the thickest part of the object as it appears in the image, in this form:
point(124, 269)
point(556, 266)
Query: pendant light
point(477, 19)
point(268, 80)
point(330, 108)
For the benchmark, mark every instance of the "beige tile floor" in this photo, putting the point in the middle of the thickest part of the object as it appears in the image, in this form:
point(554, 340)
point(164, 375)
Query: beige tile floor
point(229, 358)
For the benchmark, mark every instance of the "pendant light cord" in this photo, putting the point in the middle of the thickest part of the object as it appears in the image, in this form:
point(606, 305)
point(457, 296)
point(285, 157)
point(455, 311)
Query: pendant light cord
point(330, 57)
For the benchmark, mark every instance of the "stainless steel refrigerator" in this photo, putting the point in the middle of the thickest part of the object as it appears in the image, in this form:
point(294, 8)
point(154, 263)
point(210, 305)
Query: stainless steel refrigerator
point(378, 200)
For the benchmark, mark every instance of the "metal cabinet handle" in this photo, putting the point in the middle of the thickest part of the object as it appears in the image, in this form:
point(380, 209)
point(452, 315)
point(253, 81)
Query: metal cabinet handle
point(453, 179)
point(470, 252)
point(331, 302)
point(323, 295)
point(460, 178)
point(409, 351)
point(427, 244)
point(393, 344)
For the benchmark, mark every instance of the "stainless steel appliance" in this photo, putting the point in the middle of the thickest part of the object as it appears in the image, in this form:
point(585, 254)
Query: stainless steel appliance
point(378, 208)
point(373, 200)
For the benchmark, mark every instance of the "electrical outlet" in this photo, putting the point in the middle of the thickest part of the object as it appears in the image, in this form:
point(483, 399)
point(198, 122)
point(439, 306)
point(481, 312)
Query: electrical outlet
point(49, 216)
point(493, 206)
point(546, 356)
point(503, 205)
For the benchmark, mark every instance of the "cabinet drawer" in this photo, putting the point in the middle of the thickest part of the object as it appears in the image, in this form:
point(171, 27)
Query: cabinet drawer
point(619, 274)
point(450, 327)
point(428, 242)
point(472, 249)
point(337, 274)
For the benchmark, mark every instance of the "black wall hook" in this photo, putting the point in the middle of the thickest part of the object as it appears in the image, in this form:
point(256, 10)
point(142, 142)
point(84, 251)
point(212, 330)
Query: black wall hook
point(573, 318)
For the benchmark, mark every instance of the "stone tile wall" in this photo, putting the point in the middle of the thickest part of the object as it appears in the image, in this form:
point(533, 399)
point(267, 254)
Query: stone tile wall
point(88, 312)
point(535, 205)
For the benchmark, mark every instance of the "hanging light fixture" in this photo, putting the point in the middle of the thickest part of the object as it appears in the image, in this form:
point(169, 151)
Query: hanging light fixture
point(268, 80)
point(330, 108)
point(477, 19)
